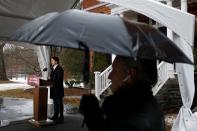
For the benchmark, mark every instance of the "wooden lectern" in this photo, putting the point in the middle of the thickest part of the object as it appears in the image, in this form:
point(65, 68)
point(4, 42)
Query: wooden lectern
point(40, 96)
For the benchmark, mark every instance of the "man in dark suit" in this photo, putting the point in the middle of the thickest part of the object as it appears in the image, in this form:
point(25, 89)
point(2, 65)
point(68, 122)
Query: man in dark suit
point(57, 90)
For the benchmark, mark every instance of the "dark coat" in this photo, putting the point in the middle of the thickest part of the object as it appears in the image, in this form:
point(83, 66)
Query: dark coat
point(132, 110)
point(56, 76)
point(93, 117)
point(128, 110)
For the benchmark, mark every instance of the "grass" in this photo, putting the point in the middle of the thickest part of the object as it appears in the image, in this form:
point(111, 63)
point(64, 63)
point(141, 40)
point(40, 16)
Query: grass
point(5, 81)
point(16, 93)
point(20, 93)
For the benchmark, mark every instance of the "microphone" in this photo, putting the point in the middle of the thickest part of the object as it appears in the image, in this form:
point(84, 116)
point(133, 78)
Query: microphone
point(45, 69)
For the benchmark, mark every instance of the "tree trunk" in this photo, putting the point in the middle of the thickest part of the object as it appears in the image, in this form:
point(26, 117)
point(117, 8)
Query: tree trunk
point(2, 64)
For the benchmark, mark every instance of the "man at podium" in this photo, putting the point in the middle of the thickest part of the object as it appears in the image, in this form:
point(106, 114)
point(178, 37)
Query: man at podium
point(57, 90)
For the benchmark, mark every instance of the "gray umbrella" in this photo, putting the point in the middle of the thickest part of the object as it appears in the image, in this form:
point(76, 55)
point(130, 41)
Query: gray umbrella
point(101, 33)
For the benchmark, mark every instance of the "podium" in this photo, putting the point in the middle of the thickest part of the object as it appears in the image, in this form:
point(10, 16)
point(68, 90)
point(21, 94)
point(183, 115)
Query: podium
point(40, 95)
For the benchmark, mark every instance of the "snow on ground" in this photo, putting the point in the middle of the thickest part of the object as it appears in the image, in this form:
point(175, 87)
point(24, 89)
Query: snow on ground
point(19, 83)
point(19, 80)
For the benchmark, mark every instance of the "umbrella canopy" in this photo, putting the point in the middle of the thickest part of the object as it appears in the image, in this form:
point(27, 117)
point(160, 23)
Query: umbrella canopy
point(101, 33)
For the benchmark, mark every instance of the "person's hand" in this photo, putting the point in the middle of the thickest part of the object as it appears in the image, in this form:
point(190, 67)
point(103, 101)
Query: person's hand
point(88, 104)
point(93, 117)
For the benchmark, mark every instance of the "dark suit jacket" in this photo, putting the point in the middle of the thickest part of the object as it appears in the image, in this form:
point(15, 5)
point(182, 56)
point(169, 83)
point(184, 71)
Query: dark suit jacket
point(131, 109)
point(56, 76)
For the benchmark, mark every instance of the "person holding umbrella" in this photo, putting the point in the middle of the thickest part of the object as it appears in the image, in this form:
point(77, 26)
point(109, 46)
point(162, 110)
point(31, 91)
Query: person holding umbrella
point(132, 107)
point(57, 90)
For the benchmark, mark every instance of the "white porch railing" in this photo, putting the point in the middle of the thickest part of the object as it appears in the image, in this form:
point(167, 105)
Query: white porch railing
point(102, 82)
point(163, 76)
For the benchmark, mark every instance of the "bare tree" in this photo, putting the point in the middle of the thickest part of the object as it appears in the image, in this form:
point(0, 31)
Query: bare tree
point(20, 60)
point(2, 64)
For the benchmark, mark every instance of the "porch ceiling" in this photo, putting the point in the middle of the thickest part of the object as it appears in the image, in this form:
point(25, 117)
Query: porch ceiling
point(14, 13)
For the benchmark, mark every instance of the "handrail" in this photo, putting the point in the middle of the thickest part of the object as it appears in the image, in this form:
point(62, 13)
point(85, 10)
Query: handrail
point(102, 82)
point(163, 76)
point(106, 70)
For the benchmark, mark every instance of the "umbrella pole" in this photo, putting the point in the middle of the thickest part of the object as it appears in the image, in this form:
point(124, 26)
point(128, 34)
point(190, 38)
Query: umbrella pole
point(91, 64)
point(90, 88)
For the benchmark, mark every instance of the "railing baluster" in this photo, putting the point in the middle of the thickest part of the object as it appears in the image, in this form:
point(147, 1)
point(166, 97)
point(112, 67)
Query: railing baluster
point(102, 82)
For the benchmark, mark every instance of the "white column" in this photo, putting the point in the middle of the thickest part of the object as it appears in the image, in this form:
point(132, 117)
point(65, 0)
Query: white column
point(97, 85)
point(170, 36)
point(113, 57)
point(184, 5)
point(169, 32)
